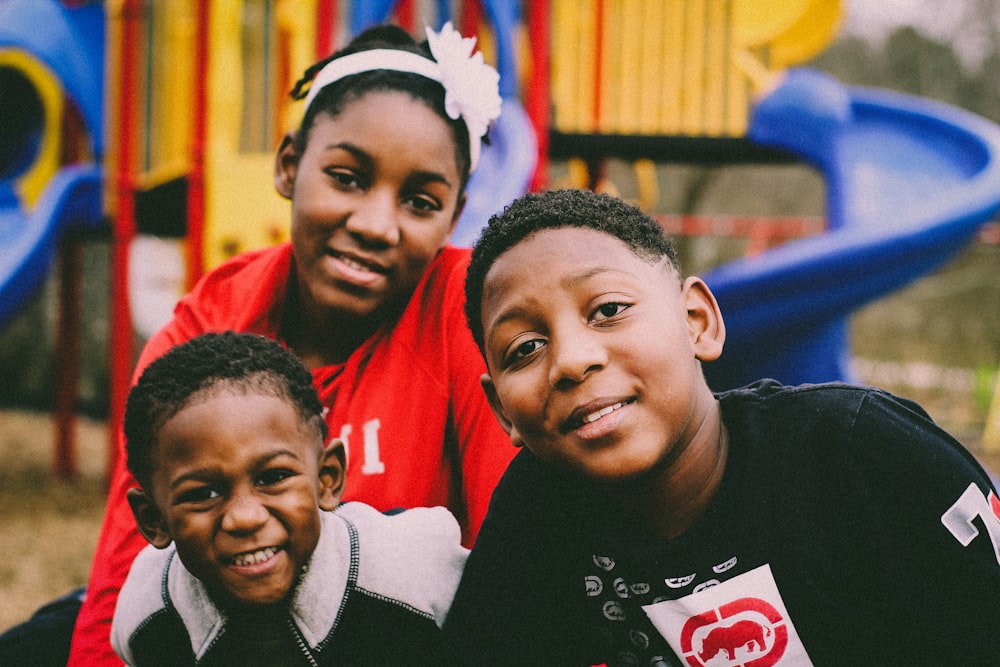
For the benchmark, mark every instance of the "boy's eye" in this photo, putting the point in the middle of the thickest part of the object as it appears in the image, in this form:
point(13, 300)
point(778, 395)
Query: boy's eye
point(608, 310)
point(274, 476)
point(346, 179)
point(524, 350)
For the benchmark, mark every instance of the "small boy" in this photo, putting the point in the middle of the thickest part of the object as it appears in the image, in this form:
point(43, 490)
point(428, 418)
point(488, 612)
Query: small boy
point(651, 522)
point(249, 563)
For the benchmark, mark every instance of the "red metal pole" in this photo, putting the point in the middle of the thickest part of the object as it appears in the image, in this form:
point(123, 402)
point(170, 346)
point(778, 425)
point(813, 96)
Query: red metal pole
point(537, 103)
point(121, 344)
point(326, 27)
point(199, 123)
point(68, 326)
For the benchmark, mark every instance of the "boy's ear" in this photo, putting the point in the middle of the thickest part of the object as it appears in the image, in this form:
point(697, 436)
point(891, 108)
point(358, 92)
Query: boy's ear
point(286, 164)
point(498, 411)
point(148, 517)
point(332, 464)
point(705, 323)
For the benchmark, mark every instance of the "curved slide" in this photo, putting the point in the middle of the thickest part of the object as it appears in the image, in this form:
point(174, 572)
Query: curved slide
point(28, 240)
point(40, 199)
point(909, 183)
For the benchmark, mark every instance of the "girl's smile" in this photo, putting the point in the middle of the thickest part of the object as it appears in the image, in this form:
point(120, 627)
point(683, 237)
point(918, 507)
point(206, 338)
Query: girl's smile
point(375, 196)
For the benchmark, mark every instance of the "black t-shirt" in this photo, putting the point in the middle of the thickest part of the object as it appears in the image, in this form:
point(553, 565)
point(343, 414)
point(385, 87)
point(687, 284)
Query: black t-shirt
point(836, 537)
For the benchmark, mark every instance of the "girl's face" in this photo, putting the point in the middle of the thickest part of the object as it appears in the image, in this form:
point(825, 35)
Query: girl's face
point(375, 196)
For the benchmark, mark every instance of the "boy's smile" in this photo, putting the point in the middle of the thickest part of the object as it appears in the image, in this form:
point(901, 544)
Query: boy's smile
point(594, 353)
point(237, 485)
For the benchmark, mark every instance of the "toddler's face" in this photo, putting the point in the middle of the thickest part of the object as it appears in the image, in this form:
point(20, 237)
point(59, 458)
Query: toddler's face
point(592, 352)
point(237, 482)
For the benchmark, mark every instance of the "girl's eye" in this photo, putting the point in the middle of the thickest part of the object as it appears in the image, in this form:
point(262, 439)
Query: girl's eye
point(274, 476)
point(423, 204)
point(524, 350)
point(608, 310)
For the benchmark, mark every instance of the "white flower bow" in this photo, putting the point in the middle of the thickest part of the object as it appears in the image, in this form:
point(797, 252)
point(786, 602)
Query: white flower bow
point(471, 87)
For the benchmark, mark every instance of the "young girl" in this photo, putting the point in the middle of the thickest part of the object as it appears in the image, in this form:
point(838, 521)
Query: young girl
point(368, 293)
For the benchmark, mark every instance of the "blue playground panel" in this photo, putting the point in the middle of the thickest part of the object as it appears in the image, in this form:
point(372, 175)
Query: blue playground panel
point(909, 183)
point(70, 43)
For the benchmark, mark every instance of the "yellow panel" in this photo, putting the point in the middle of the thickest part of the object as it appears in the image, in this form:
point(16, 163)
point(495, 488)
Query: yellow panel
point(760, 21)
point(716, 52)
point(612, 35)
point(630, 102)
point(243, 211)
point(651, 66)
point(171, 52)
point(693, 92)
point(674, 31)
point(813, 32)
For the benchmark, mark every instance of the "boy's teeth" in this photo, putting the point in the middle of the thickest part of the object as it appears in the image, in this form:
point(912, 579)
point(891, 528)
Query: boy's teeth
point(255, 557)
point(355, 265)
point(594, 416)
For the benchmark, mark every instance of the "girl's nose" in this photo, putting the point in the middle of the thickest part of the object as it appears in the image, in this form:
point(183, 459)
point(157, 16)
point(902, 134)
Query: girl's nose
point(244, 514)
point(373, 220)
point(574, 357)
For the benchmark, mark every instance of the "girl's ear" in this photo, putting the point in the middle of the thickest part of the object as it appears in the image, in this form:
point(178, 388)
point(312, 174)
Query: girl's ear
point(705, 324)
point(286, 164)
point(498, 411)
point(148, 517)
point(332, 463)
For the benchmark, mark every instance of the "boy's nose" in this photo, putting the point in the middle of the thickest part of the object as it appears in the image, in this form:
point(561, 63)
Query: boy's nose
point(373, 220)
point(574, 360)
point(244, 514)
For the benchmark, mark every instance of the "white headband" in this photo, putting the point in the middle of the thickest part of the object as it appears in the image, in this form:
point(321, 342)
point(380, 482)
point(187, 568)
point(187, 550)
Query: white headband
point(471, 87)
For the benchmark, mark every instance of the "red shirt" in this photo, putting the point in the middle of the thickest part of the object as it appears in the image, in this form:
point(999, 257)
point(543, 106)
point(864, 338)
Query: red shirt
point(407, 403)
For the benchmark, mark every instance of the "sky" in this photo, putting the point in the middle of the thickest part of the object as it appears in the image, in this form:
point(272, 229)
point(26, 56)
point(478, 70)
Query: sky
point(938, 19)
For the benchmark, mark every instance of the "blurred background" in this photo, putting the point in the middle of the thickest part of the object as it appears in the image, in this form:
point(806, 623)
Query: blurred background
point(127, 154)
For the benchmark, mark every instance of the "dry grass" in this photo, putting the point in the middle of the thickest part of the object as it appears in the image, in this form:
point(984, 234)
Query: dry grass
point(49, 526)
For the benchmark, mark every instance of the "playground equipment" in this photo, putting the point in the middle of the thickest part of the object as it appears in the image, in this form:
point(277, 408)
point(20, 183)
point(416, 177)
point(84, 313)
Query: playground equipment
point(197, 100)
point(197, 92)
point(51, 142)
point(909, 182)
point(51, 137)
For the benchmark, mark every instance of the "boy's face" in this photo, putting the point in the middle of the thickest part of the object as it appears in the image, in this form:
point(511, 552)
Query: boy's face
point(594, 353)
point(237, 484)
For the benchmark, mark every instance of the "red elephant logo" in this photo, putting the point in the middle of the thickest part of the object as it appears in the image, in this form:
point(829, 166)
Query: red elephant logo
point(741, 634)
point(747, 631)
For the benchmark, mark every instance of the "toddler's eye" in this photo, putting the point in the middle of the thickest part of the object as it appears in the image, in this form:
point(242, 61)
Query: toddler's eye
point(199, 495)
point(274, 476)
point(608, 310)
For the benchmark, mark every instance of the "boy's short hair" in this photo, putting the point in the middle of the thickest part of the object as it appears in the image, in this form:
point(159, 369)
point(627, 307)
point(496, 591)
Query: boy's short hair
point(551, 210)
point(210, 363)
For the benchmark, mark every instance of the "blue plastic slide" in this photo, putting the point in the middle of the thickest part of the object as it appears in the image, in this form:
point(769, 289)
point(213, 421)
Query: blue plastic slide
point(28, 241)
point(68, 45)
point(909, 183)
